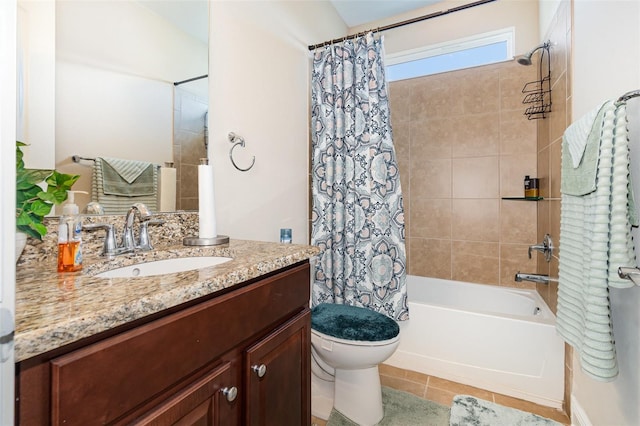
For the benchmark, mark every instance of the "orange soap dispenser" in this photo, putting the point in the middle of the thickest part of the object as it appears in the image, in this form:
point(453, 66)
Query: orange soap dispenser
point(70, 236)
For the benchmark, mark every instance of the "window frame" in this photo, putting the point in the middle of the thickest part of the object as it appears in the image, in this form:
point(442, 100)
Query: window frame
point(453, 46)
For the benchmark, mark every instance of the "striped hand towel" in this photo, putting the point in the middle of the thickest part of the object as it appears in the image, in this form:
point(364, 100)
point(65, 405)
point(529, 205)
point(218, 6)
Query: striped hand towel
point(116, 184)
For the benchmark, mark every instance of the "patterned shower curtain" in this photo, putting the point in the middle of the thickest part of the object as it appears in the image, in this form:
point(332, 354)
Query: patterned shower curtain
point(358, 215)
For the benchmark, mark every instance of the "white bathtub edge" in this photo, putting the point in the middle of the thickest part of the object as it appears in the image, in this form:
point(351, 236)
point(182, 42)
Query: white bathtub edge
point(445, 371)
point(505, 351)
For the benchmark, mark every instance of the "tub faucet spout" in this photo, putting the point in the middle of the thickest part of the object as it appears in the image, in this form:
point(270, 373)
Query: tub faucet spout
point(535, 278)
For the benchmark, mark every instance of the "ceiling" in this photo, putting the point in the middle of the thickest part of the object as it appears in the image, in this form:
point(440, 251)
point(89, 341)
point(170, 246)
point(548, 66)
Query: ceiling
point(358, 12)
point(192, 15)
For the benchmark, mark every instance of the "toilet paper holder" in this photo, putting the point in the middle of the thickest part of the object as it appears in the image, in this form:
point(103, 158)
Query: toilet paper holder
point(238, 140)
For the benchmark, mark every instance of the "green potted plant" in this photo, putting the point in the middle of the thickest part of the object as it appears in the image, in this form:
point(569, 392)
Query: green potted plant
point(33, 202)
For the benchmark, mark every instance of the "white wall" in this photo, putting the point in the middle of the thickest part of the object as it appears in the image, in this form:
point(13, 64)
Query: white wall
point(36, 81)
point(116, 62)
point(546, 11)
point(8, 20)
point(521, 14)
point(606, 64)
point(259, 88)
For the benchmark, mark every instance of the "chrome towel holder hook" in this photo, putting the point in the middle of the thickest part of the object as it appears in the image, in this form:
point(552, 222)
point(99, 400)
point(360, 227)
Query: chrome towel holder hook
point(238, 140)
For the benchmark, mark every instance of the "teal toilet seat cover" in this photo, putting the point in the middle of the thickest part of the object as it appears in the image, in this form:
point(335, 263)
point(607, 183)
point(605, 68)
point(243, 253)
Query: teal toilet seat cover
point(352, 323)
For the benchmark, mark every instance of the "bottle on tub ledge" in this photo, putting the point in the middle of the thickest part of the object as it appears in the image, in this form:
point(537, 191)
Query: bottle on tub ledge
point(531, 187)
point(70, 236)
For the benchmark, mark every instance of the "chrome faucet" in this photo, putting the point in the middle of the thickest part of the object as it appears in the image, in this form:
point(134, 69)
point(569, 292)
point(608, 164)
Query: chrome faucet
point(535, 278)
point(127, 244)
point(144, 214)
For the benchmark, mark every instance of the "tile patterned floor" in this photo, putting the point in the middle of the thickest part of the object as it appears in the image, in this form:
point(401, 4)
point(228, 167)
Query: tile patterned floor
point(442, 391)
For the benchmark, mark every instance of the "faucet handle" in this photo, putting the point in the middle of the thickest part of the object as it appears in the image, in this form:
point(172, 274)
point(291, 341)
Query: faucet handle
point(145, 241)
point(546, 248)
point(538, 247)
point(109, 246)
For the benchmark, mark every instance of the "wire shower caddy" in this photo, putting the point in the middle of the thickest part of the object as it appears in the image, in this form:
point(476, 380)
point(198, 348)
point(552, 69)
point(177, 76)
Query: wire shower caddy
point(538, 93)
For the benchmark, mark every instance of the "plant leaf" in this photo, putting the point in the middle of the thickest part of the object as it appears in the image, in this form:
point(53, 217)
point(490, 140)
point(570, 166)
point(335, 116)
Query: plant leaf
point(33, 201)
point(58, 185)
point(47, 196)
point(27, 194)
point(23, 219)
point(30, 231)
point(40, 208)
point(31, 177)
point(39, 228)
point(61, 180)
point(19, 155)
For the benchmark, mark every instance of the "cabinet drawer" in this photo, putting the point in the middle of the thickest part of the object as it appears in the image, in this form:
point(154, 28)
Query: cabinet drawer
point(102, 382)
point(201, 403)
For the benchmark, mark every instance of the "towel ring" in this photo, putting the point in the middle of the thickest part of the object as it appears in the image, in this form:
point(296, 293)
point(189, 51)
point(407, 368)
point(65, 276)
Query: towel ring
point(238, 140)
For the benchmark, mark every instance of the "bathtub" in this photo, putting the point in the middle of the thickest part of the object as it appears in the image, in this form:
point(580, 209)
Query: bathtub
point(495, 338)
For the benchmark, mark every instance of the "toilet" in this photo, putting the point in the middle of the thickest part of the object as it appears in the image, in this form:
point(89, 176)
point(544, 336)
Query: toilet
point(347, 344)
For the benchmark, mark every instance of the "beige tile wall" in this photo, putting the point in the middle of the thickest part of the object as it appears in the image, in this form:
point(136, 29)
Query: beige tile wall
point(463, 143)
point(188, 146)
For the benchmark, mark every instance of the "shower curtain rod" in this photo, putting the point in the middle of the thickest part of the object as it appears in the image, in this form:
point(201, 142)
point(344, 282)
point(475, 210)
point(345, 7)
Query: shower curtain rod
point(177, 83)
point(406, 22)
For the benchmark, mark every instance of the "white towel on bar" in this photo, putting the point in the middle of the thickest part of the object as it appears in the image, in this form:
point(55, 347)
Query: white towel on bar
point(577, 134)
point(595, 239)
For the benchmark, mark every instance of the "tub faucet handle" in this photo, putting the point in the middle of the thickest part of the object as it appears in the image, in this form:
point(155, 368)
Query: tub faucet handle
point(546, 248)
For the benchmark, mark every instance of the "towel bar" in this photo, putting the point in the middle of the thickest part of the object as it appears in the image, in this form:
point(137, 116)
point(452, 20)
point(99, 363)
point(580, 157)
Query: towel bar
point(77, 158)
point(627, 96)
point(630, 273)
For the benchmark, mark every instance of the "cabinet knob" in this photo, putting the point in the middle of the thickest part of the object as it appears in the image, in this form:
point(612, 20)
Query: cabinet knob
point(230, 393)
point(260, 370)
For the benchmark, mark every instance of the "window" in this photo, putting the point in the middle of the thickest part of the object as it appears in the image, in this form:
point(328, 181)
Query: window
point(481, 49)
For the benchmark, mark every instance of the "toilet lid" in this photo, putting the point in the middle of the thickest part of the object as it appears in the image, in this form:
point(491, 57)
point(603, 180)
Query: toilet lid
point(352, 323)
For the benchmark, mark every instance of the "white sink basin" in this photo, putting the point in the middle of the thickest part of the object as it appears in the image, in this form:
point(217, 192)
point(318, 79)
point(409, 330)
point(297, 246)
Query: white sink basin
point(161, 267)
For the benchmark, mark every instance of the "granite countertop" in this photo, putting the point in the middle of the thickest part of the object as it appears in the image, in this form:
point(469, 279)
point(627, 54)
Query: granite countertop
point(54, 309)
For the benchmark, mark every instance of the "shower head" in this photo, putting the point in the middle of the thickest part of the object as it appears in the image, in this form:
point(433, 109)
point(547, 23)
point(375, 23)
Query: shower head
point(526, 58)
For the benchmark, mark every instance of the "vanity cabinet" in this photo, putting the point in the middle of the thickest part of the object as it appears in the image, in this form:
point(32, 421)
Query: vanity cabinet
point(242, 357)
point(276, 369)
point(207, 401)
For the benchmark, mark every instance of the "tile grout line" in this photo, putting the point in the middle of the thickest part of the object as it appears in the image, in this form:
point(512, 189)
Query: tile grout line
point(426, 387)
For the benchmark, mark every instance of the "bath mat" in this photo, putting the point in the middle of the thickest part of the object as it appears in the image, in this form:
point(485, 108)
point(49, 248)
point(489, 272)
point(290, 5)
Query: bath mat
point(402, 409)
point(467, 410)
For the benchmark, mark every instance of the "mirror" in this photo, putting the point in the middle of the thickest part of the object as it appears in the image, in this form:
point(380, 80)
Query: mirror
point(116, 63)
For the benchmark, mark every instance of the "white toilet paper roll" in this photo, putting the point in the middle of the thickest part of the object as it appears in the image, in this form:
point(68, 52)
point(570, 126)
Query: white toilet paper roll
point(206, 202)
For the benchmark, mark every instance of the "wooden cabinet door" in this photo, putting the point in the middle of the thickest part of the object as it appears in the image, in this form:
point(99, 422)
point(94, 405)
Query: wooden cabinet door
point(278, 376)
point(209, 401)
